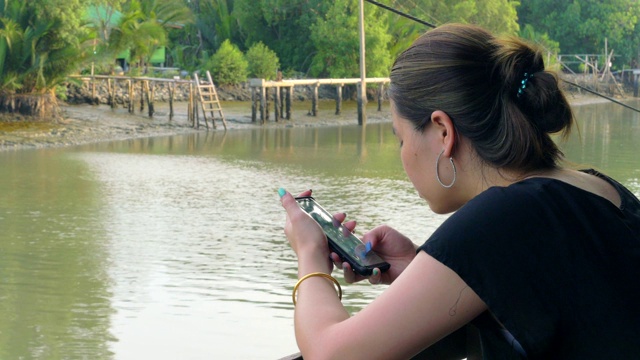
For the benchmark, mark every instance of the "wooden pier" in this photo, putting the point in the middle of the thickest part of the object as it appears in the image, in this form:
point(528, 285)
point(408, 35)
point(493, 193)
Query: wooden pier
point(283, 90)
point(142, 89)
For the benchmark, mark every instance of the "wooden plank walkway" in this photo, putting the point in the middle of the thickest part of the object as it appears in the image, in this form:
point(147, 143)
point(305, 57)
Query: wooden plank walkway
point(284, 89)
point(142, 89)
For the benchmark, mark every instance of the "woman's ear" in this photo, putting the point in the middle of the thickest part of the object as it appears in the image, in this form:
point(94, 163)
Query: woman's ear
point(446, 132)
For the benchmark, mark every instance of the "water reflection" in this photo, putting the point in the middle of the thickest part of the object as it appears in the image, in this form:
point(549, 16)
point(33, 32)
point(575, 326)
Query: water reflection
point(54, 290)
point(607, 140)
point(172, 247)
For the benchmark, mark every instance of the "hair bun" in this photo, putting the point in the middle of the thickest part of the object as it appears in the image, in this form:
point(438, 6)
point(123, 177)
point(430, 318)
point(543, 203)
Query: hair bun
point(540, 104)
point(532, 89)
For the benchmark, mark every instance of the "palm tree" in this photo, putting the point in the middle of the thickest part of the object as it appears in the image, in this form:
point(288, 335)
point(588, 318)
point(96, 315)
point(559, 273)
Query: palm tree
point(34, 60)
point(144, 27)
point(213, 23)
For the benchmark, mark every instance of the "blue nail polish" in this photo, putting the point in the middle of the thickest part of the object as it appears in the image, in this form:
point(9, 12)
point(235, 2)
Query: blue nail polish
point(368, 247)
point(281, 192)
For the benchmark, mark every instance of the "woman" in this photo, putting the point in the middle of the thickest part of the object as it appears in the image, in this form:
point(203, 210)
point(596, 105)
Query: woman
point(543, 260)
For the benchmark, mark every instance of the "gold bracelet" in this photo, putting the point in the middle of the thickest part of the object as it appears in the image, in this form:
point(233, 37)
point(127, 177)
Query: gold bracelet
point(321, 274)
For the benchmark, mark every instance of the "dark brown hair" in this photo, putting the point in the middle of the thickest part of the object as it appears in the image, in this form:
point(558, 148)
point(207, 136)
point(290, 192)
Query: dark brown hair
point(474, 77)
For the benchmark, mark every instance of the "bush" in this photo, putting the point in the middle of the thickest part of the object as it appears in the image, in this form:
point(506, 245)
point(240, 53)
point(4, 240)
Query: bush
point(263, 62)
point(228, 65)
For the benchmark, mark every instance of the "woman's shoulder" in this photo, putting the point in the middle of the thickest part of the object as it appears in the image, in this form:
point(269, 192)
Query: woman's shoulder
point(627, 200)
point(588, 184)
point(524, 205)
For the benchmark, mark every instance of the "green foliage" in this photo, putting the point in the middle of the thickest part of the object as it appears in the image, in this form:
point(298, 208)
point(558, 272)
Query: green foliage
point(499, 16)
point(69, 14)
point(212, 24)
point(282, 25)
point(228, 65)
point(581, 26)
point(263, 62)
point(551, 47)
point(141, 28)
point(37, 51)
point(337, 42)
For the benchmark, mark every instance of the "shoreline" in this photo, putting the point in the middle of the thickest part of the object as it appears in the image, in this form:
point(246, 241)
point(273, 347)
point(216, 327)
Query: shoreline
point(87, 124)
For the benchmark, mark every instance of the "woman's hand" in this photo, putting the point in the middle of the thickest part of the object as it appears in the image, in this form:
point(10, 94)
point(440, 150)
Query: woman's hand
point(305, 236)
point(395, 248)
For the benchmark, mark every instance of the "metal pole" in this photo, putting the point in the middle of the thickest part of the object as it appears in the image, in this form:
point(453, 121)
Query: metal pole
point(362, 95)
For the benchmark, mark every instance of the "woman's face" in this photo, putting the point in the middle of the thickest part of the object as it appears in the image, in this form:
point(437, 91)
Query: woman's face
point(419, 151)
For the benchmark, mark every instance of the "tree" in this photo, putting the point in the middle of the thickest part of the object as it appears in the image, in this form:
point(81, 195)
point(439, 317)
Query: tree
point(282, 25)
point(263, 62)
point(581, 26)
point(69, 13)
point(496, 15)
point(499, 16)
point(37, 53)
point(212, 24)
point(336, 39)
point(551, 47)
point(228, 65)
point(143, 27)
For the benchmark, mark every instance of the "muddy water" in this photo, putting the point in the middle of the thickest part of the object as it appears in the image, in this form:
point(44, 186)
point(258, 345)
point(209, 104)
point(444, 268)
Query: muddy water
point(172, 247)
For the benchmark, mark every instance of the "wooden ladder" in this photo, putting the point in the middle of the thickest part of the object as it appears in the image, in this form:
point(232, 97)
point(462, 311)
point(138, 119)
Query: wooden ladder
point(209, 100)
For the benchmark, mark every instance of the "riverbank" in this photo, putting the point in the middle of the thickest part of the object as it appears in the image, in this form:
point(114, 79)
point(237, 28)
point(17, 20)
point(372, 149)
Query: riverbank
point(84, 124)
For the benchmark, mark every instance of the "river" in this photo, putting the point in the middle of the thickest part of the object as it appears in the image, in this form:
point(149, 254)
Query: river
point(172, 247)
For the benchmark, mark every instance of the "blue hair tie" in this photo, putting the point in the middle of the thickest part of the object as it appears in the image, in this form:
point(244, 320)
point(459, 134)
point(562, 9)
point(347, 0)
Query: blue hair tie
point(523, 83)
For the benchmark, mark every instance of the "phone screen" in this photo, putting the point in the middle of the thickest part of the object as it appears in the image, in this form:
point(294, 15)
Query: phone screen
point(349, 244)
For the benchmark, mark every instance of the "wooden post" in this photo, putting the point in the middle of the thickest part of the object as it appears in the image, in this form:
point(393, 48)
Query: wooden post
point(263, 101)
point(314, 101)
point(276, 104)
point(266, 104)
point(362, 95)
point(288, 102)
point(635, 85)
point(172, 89)
point(109, 94)
point(150, 96)
point(380, 95)
point(281, 89)
point(190, 116)
point(132, 95)
point(254, 104)
point(196, 110)
point(142, 95)
point(93, 89)
point(339, 99)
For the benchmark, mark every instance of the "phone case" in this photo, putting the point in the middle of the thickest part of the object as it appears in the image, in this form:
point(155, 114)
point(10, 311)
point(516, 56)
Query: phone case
point(356, 265)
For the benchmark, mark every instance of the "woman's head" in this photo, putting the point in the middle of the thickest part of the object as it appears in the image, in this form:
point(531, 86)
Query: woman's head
point(496, 92)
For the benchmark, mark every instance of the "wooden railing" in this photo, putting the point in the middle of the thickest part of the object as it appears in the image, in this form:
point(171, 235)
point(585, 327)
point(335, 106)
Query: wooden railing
point(282, 100)
point(146, 86)
point(143, 89)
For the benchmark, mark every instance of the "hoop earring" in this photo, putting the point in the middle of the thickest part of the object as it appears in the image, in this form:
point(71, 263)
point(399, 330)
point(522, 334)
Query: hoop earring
point(438, 172)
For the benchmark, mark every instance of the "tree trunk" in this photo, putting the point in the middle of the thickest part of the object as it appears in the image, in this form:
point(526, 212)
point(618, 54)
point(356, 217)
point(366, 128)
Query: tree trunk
point(42, 106)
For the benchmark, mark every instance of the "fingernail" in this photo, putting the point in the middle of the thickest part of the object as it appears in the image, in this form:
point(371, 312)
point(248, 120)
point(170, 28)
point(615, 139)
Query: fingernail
point(281, 192)
point(368, 246)
point(376, 272)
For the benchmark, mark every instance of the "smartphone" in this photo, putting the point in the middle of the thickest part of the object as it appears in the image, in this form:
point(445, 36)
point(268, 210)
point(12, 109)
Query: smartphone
point(342, 241)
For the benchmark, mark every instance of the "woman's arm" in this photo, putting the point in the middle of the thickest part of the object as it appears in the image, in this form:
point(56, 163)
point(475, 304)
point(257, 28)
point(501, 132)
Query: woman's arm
point(425, 303)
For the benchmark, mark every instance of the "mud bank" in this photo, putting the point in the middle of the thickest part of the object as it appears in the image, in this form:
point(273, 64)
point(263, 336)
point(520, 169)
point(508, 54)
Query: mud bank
point(83, 124)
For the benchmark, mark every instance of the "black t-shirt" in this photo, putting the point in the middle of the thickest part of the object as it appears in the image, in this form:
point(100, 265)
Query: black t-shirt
point(557, 266)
